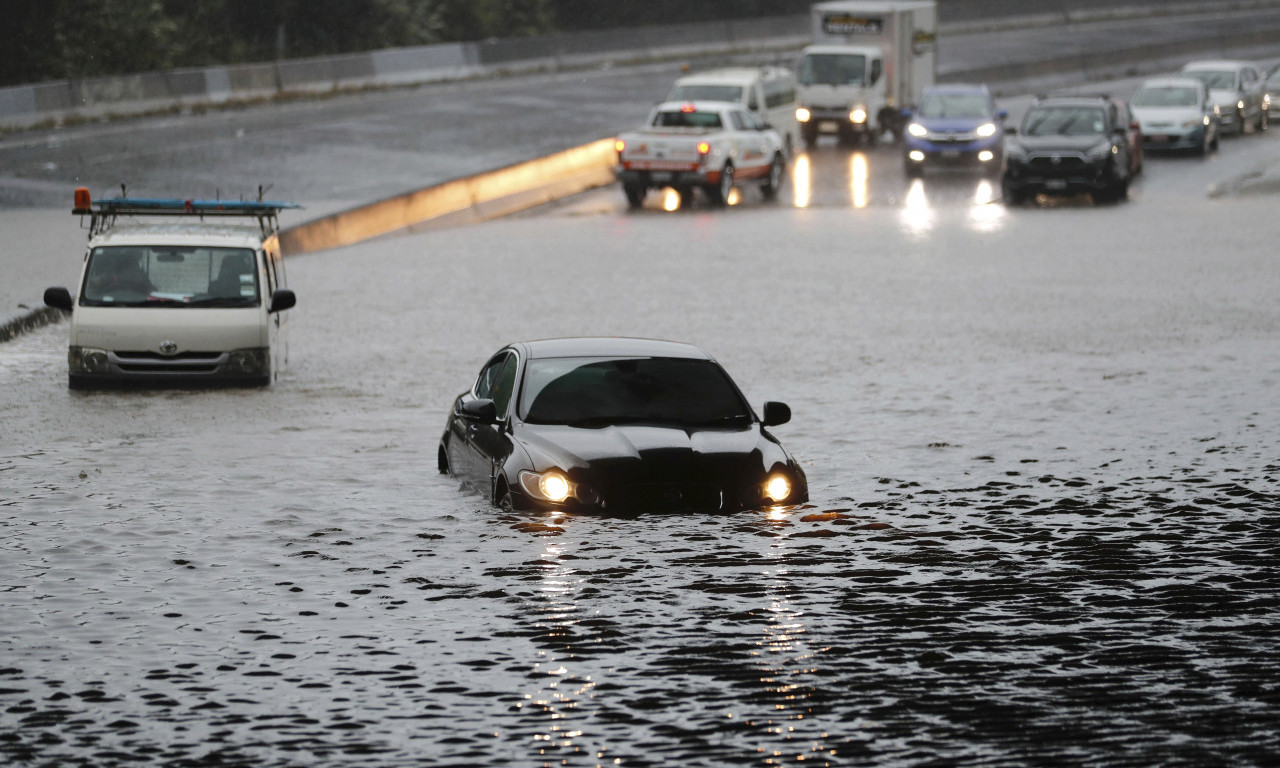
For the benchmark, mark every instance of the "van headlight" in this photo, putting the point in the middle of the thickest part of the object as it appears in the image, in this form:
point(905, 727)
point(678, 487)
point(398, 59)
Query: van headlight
point(87, 360)
point(248, 362)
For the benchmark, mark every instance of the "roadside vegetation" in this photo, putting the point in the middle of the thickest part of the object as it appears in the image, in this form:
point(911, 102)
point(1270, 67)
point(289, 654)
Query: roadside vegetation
point(63, 40)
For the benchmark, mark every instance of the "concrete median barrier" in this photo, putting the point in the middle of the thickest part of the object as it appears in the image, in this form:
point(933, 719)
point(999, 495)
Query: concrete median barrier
point(473, 198)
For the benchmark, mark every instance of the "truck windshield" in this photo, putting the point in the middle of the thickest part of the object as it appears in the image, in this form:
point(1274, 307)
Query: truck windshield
point(833, 69)
point(598, 392)
point(730, 93)
point(166, 276)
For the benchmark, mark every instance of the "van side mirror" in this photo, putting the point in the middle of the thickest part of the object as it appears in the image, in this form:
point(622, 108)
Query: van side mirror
point(482, 410)
point(775, 413)
point(281, 300)
point(876, 69)
point(58, 298)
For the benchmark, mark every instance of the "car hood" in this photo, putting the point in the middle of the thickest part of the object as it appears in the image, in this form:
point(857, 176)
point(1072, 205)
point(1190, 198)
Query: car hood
point(1224, 97)
point(954, 124)
point(1166, 114)
point(1057, 143)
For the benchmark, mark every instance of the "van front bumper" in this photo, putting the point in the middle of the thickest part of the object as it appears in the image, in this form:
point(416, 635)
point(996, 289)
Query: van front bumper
point(87, 366)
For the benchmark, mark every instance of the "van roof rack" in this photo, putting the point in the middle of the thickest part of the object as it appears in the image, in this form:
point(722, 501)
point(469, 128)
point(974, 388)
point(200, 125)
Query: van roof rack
point(102, 213)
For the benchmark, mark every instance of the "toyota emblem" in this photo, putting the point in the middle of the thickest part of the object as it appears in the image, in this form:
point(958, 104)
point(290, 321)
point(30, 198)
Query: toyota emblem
point(168, 347)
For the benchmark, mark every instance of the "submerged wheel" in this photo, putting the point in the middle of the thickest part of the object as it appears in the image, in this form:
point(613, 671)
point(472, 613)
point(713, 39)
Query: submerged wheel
point(635, 194)
point(770, 186)
point(719, 193)
point(1013, 195)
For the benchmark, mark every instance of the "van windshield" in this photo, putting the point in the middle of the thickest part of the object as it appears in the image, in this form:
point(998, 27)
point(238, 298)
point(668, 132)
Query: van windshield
point(168, 276)
point(833, 69)
point(729, 93)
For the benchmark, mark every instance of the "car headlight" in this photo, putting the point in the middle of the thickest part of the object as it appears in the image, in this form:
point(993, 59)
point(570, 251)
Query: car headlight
point(1101, 151)
point(556, 487)
point(87, 360)
point(1240, 105)
point(777, 488)
point(917, 130)
point(803, 115)
point(986, 130)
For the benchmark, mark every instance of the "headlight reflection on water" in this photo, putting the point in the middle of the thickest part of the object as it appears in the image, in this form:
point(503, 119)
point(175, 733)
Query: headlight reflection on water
point(801, 181)
point(858, 176)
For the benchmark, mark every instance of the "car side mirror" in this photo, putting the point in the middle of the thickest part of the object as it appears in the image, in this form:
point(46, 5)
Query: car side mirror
point(481, 409)
point(58, 298)
point(775, 413)
point(281, 300)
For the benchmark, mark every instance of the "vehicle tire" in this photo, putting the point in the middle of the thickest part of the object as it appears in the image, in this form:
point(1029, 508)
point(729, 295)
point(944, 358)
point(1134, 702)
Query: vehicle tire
point(773, 182)
point(1214, 144)
point(635, 194)
point(809, 132)
point(1263, 120)
point(1012, 195)
point(719, 193)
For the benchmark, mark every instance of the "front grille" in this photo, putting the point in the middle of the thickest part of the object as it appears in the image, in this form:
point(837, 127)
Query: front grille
point(666, 497)
point(181, 363)
point(1061, 165)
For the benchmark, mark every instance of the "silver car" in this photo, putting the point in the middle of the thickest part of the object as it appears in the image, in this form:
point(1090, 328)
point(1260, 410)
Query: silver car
point(1176, 113)
point(1236, 88)
point(1272, 90)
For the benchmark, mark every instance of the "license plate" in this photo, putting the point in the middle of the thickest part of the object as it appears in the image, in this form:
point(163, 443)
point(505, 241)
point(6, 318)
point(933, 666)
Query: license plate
point(951, 154)
point(1055, 184)
point(828, 125)
point(1161, 139)
point(660, 176)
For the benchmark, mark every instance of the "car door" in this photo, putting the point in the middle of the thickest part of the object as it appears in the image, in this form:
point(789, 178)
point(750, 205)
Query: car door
point(463, 459)
point(485, 445)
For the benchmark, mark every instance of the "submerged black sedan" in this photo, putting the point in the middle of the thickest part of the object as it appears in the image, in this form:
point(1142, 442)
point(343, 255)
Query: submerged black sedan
point(616, 425)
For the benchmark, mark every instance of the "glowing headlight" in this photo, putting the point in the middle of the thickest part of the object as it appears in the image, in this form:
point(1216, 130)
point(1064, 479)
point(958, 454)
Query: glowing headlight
point(986, 156)
point(916, 129)
point(858, 115)
point(551, 485)
point(916, 156)
point(802, 114)
point(1240, 105)
point(777, 487)
point(986, 129)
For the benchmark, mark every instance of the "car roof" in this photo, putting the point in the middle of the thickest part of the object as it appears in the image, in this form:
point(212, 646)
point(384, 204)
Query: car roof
point(608, 346)
point(189, 233)
point(1214, 64)
point(1096, 100)
point(1158, 82)
point(733, 75)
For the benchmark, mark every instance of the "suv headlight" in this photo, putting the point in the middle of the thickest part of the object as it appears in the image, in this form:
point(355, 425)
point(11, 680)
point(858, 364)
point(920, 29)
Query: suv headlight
point(1101, 151)
point(986, 130)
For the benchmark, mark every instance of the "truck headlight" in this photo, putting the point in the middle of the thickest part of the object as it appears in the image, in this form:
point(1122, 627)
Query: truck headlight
point(803, 115)
point(87, 360)
point(858, 115)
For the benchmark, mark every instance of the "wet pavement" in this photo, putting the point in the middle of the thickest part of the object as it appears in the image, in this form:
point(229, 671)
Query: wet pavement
point(1042, 447)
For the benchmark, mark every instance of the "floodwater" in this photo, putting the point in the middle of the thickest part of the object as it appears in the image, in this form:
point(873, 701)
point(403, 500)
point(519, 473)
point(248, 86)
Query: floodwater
point(1043, 446)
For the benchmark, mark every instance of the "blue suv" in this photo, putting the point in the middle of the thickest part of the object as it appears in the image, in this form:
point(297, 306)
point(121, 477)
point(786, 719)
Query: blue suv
point(955, 125)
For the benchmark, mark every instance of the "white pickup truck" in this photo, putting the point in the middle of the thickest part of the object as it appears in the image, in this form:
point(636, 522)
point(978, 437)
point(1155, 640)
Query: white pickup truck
point(702, 144)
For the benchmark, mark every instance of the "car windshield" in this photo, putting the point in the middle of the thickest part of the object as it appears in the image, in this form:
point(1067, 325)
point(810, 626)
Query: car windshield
point(1217, 79)
point(833, 69)
point(1064, 121)
point(686, 119)
point(596, 391)
point(943, 105)
point(1166, 96)
point(159, 275)
point(731, 93)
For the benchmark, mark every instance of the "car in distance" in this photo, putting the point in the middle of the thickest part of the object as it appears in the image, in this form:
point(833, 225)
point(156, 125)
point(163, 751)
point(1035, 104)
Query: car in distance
point(1237, 90)
point(955, 125)
point(1176, 113)
point(617, 425)
point(1271, 90)
point(768, 93)
point(177, 291)
point(1070, 144)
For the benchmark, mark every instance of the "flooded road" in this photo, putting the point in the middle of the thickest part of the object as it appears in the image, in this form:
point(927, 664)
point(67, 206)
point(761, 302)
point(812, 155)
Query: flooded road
point(1041, 443)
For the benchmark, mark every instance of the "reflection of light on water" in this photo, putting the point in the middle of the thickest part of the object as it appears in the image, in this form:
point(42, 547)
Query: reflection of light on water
point(670, 199)
point(986, 215)
point(917, 215)
point(801, 182)
point(735, 197)
point(858, 179)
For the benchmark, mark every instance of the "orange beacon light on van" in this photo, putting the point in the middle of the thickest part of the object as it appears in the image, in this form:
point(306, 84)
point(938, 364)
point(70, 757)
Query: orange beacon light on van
point(83, 203)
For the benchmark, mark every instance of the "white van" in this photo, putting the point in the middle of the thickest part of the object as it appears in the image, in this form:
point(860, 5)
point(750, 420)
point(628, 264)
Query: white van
point(769, 93)
point(178, 291)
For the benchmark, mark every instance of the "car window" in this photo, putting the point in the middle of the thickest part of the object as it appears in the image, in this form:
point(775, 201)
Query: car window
point(687, 118)
point(739, 120)
point(487, 381)
point(944, 105)
point(603, 391)
point(1064, 121)
point(170, 276)
point(691, 92)
point(1167, 96)
point(1214, 78)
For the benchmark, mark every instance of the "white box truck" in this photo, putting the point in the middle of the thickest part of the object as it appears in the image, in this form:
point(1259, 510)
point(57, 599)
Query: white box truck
point(870, 60)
